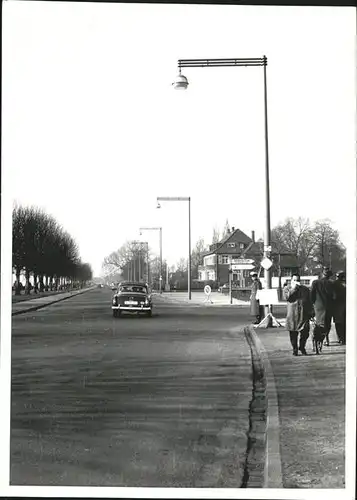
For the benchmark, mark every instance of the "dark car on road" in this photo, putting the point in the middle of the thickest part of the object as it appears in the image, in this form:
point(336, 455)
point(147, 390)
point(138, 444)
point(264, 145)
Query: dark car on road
point(132, 297)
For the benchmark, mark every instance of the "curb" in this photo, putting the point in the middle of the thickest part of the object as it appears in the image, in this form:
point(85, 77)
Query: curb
point(40, 306)
point(273, 477)
point(254, 468)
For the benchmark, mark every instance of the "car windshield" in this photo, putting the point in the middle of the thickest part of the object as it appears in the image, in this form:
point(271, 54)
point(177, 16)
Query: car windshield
point(132, 288)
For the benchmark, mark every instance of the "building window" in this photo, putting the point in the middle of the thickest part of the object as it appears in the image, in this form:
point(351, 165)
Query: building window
point(231, 245)
point(286, 272)
point(241, 245)
point(223, 259)
point(208, 261)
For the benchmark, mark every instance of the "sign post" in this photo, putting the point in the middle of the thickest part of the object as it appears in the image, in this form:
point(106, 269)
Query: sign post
point(207, 289)
point(230, 284)
point(266, 264)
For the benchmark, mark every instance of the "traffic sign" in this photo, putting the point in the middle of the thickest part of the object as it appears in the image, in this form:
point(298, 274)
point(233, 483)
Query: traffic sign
point(237, 267)
point(207, 290)
point(266, 263)
point(242, 261)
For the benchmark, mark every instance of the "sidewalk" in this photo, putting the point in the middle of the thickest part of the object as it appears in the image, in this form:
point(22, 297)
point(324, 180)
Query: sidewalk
point(39, 302)
point(34, 296)
point(306, 411)
point(199, 298)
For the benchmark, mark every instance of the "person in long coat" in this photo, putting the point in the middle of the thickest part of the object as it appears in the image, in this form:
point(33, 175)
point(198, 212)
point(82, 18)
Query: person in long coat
point(299, 312)
point(323, 296)
point(339, 307)
point(255, 308)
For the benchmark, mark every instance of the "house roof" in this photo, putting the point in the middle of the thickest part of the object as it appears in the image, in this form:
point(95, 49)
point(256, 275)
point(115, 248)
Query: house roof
point(237, 236)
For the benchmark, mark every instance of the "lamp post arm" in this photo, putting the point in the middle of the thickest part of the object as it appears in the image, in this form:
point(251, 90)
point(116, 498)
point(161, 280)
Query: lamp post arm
point(172, 198)
point(201, 63)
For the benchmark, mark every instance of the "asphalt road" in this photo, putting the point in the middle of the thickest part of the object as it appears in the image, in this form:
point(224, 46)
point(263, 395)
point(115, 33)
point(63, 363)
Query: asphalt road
point(135, 401)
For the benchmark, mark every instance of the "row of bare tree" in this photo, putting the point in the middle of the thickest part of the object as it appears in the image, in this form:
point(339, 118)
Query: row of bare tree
point(41, 248)
point(315, 244)
point(135, 261)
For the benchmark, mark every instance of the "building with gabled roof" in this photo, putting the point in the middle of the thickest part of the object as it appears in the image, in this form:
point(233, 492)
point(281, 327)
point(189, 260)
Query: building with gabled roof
point(237, 245)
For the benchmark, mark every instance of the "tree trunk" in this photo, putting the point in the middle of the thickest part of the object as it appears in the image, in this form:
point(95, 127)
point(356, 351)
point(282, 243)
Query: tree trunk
point(34, 282)
point(28, 284)
point(17, 287)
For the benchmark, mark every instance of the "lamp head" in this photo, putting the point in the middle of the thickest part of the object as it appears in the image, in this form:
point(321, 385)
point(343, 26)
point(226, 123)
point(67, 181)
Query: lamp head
point(180, 82)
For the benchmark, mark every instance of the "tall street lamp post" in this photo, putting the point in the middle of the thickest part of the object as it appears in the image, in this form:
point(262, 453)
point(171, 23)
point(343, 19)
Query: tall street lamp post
point(182, 198)
point(136, 257)
point(181, 82)
point(141, 229)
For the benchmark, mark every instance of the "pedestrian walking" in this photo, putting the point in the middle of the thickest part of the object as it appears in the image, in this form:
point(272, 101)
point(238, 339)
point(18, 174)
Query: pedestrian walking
point(299, 312)
point(255, 308)
point(339, 308)
point(323, 297)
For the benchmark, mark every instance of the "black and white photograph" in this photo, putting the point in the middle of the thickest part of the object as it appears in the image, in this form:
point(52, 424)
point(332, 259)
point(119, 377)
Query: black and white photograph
point(178, 250)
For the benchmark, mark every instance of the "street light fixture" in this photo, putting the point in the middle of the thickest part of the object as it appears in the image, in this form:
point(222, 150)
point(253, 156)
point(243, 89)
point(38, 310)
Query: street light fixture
point(181, 83)
point(182, 198)
point(156, 229)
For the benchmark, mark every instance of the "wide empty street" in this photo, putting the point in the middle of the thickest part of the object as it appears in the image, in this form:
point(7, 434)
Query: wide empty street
point(135, 401)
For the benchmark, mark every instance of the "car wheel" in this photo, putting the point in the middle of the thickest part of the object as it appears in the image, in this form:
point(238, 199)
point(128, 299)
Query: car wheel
point(149, 314)
point(115, 313)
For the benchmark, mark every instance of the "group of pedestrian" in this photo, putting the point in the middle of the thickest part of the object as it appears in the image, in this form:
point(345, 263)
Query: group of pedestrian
point(324, 301)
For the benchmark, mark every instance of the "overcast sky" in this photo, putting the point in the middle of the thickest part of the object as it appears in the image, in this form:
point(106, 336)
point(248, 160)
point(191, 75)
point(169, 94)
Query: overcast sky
point(93, 130)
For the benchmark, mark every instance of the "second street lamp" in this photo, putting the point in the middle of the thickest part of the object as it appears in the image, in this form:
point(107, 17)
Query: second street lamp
point(182, 198)
point(160, 230)
point(137, 253)
point(181, 82)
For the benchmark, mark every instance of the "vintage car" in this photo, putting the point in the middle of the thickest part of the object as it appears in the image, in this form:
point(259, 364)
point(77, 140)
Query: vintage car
point(132, 297)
